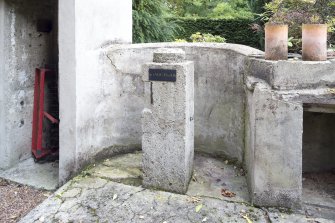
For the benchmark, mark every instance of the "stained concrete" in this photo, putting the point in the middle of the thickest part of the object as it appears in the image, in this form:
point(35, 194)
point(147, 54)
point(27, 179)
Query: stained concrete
point(219, 93)
point(100, 194)
point(209, 177)
point(274, 149)
point(293, 74)
point(86, 27)
point(41, 176)
point(289, 127)
point(23, 49)
point(168, 124)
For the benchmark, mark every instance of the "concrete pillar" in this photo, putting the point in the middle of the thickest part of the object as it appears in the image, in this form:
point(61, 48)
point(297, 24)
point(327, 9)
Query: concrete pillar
point(85, 28)
point(167, 121)
point(274, 149)
point(3, 149)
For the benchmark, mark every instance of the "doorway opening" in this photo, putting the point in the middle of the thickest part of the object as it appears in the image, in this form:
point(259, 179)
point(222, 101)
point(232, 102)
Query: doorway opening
point(33, 43)
point(319, 157)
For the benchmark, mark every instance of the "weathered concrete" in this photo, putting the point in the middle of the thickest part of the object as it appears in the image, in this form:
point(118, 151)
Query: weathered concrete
point(294, 74)
point(92, 197)
point(23, 48)
point(41, 176)
point(219, 93)
point(274, 149)
point(288, 127)
point(210, 175)
point(168, 124)
point(85, 28)
point(3, 149)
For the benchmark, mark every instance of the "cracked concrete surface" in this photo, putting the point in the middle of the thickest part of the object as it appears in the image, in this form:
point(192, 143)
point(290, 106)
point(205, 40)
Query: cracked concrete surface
point(97, 195)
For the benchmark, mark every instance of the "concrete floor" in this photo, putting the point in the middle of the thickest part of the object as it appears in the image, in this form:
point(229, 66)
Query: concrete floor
point(210, 176)
point(41, 176)
point(319, 193)
point(111, 191)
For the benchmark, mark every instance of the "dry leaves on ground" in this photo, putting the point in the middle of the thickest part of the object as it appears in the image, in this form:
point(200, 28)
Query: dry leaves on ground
point(227, 193)
point(17, 200)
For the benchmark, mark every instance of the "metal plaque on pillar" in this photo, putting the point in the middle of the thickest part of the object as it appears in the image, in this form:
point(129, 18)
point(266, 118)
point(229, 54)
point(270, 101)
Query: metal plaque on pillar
point(162, 75)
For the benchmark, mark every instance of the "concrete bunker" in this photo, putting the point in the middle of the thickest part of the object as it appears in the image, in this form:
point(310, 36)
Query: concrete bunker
point(289, 150)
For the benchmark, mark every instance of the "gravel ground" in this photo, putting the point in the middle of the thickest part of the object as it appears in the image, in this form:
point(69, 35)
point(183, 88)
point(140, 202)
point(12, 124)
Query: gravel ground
point(17, 200)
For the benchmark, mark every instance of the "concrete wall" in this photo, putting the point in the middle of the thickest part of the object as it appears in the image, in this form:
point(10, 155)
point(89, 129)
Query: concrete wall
point(318, 142)
point(289, 127)
point(219, 94)
point(85, 28)
point(24, 49)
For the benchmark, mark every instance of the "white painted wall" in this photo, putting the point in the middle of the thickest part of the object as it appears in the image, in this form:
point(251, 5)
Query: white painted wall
point(85, 28)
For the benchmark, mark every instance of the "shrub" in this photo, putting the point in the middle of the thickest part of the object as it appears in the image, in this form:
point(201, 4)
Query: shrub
point(298, 12)
point(233, 30)
point(207, 37)
point(150, 24)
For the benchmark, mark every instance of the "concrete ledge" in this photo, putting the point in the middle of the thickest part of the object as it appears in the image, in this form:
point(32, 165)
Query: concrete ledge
point(292, 74)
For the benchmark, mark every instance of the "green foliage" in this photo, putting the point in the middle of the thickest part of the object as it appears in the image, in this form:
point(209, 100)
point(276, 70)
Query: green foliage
point(211, 8)
point(150, 23)
point(192, 8)
point(257, 6)
point(207, 37)
point(298, 12)
point(232, 9)
point(233, 30)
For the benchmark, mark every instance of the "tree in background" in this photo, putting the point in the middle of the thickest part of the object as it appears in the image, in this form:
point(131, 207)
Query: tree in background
point(150, 23)
point(232, 9)
point(257, 6)
point(191, 8)
point(210, 8)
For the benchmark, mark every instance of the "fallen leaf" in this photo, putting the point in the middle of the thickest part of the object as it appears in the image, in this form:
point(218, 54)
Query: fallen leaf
point(198, 208)
point(331, 91)
point(141, 217)
point(194, 178)
point(114, 197)
point(227, 193)
point(194, 199)
point(204, 220)
point(246, 218)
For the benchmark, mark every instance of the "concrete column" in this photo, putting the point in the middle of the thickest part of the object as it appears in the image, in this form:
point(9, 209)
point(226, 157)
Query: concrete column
point(85, 28)
point(167, 122)
point(3, 149)
point(274, 149)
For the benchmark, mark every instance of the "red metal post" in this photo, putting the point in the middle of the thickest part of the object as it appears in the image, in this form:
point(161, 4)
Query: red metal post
point(39, 114)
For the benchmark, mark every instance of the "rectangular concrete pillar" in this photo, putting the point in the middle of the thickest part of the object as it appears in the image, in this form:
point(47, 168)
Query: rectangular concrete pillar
point(3, 149)
point(85, 28)
point(274, 149)
point(167, 122)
